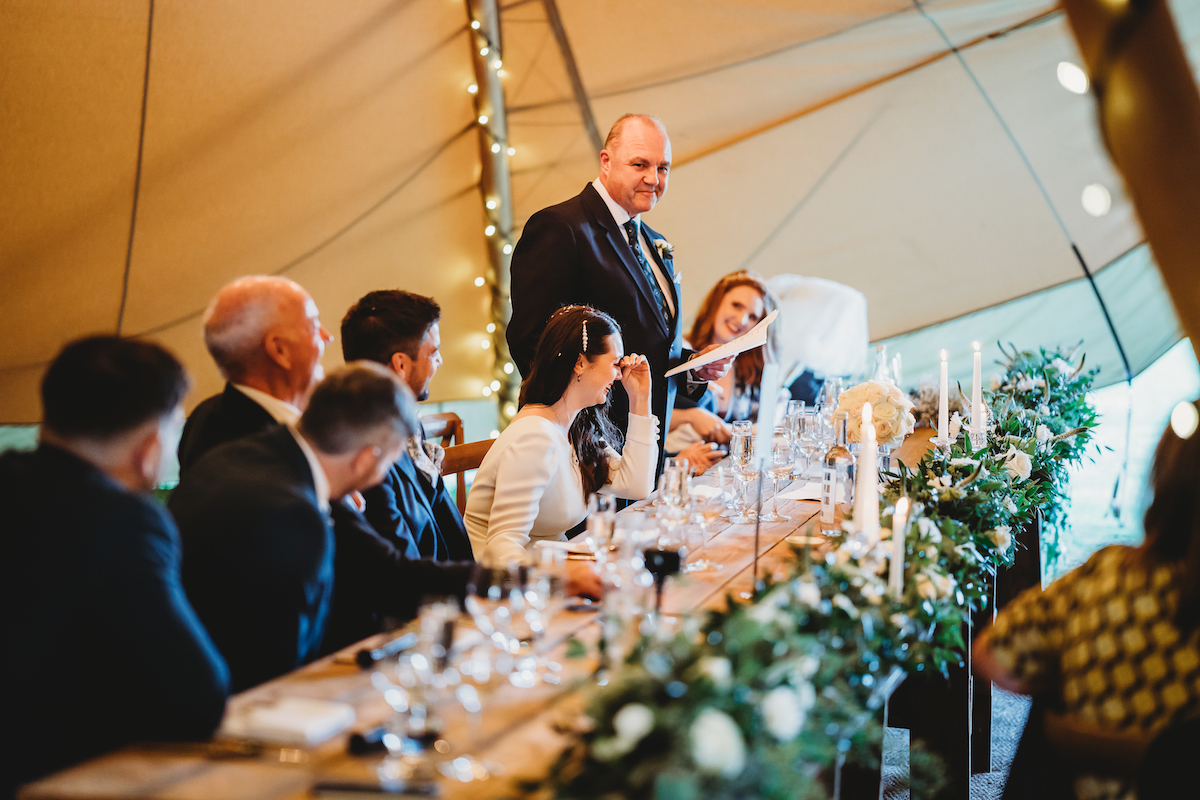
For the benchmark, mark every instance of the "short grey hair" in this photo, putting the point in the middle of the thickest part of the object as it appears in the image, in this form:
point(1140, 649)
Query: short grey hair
point(361, 404)
point(239, 317)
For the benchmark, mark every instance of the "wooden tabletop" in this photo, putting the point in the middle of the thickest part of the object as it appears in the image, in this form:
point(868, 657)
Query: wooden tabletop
point(518, 727)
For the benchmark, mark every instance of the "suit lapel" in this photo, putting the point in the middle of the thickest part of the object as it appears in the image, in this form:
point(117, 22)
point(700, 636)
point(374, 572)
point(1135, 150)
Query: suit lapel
point(620, 245)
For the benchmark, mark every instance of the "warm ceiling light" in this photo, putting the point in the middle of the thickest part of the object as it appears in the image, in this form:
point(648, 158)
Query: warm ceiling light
point(1096, 200)
point(1072, 77)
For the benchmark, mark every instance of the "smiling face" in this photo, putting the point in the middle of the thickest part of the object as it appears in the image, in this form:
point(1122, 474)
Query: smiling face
point(635, 169)
point(741, 309)
point(598, 373)
point(299, 326)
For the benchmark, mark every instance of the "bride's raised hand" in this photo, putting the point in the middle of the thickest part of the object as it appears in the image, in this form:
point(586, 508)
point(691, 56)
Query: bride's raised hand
point(635, 377)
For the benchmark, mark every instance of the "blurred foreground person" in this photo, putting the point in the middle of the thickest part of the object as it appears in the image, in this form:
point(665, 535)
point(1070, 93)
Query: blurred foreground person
point(103, 647)
point(1112, 649)
point(411, 506)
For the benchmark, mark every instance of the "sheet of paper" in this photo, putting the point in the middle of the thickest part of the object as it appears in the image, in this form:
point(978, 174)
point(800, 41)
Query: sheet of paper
point(753, 338)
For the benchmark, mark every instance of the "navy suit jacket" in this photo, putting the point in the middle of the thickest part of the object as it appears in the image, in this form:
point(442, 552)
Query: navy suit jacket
point(258, 554)
point(416, 516)
point(102, 647)
point(221, 418)
point(575, 253)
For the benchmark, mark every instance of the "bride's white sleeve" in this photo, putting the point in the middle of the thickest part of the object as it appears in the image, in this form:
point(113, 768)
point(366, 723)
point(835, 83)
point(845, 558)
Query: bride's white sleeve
point(526, 468)
point(631, 472)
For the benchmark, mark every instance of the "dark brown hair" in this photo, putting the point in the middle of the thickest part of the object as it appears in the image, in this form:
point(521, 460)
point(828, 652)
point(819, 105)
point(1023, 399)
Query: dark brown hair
point(385, 322)
point(1173, 519)
point(747, 367)
point(103, 386)
point(355, 405)
point(558, 349)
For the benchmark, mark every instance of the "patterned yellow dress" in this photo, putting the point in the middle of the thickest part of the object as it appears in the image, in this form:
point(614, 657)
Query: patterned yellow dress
point(1105, 636)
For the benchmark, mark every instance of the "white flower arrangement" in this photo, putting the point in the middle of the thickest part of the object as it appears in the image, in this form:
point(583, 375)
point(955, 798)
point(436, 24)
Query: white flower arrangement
point(717, 744)
point(1001, 537)
point(784, 710)
point(892, 412)
point(1018, 464)
point(666, 250)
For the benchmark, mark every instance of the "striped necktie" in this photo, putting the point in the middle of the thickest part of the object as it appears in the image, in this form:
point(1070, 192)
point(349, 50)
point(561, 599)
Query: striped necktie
point(631, 228)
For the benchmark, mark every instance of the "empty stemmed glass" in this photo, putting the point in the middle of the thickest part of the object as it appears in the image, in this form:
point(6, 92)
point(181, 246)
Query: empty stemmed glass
point(806, 442)
point(779, 467)
point(602, 516)
point(741, 454)
point(532, 607)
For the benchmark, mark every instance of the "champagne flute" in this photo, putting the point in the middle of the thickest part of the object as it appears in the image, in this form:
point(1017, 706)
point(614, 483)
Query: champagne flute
point(780, 467)
point(741, 453)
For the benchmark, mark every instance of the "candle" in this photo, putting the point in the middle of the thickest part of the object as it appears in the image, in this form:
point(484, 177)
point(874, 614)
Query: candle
point(977, 393)
point(943, 426)
point(866, 495)
point(899, 528)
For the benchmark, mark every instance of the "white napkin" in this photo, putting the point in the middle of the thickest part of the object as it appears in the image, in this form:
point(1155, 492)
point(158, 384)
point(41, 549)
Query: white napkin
point(291, 720)
point(810, 491)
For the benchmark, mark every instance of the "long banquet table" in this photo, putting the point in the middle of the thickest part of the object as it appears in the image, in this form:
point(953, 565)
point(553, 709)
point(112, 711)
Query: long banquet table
point(518, 728)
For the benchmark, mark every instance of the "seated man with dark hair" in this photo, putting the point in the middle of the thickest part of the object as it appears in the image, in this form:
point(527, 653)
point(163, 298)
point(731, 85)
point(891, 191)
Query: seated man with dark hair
point(400, 330)
point(258, 541)
point(104, 647)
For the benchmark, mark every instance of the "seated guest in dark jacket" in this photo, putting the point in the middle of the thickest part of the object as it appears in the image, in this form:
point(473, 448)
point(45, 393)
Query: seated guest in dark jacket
point(102, 646)
point(265, 334)
point(400, 330)
point(258, 544)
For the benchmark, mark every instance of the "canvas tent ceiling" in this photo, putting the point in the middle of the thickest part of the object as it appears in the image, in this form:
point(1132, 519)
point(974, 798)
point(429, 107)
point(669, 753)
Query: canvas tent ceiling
point(922, 153)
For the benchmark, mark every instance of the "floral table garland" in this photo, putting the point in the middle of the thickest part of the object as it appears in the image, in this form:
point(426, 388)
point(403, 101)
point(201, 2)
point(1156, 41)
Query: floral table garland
point(761, 700)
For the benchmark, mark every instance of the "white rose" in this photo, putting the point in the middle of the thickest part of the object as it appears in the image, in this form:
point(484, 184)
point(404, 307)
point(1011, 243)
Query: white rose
point(943, 584)
point(885, 413)
point(807, 593)
point(632, 723)
point(718, 669)
point(929, 530)
point(925, 587)
point(1002, 538)
point(1044, 410)
point(955, 425)
point(1018, 464)
point(783, 713)
point(841, 601)
point(1065, 367)
point(1010, 506)
point(996, 382)
point(1043, 433)
point(1026, 384)
point(717, 744)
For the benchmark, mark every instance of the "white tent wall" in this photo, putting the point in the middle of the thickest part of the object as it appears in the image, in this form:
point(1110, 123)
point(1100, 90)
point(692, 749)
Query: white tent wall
point(334, 143)
point(329, 142)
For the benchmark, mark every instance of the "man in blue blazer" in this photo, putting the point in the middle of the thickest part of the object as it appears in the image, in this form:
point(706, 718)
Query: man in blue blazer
point(103, 647)
point(594, 250)
point(400, 331)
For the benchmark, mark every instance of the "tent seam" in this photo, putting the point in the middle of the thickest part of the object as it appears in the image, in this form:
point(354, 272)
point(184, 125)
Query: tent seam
point(137, 175)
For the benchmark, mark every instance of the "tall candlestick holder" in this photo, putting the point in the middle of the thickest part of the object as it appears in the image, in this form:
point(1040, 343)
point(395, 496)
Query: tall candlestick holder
point(942, 445)
point(978, 439)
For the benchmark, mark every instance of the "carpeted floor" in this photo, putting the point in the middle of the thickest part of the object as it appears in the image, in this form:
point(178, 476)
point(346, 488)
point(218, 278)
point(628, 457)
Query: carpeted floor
point(1008, 721)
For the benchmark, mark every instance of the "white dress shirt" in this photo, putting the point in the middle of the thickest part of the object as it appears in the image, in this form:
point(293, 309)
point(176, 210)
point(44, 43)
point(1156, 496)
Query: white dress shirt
point(320, 480)
point(622, 216)
point(529, 487)
point(281, 411)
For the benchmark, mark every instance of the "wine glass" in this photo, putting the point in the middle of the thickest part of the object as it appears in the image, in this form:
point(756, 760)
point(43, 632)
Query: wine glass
point(741, 454)
point(602, 515)
point(779, 467)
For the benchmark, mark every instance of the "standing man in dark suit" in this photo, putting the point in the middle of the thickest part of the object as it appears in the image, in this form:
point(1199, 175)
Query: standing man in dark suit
point(258, 542)
point(594, 249)
point(400, 331)
point(103, 647)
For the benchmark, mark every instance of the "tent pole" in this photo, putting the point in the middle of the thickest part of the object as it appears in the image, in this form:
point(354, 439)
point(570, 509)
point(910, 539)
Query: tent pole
point(1149, 117)
point(495, 188)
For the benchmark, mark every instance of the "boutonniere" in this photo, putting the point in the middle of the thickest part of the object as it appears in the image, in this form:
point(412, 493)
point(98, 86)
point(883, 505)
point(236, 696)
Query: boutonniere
point(666, 250)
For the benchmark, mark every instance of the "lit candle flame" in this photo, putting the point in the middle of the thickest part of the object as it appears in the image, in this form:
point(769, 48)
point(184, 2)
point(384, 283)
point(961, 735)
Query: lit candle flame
point(976, 347)
point(867, 418)
point(943, 355)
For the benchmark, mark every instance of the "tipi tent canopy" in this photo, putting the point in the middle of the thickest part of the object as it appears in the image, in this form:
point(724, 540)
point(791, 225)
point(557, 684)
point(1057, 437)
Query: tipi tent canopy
point(923, 153)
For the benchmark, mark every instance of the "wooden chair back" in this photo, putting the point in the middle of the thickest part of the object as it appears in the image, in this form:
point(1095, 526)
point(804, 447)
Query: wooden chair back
point(446, 426)
point(461, 458)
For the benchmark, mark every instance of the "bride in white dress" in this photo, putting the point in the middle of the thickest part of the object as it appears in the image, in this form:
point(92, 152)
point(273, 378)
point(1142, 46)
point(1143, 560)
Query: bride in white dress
point(561, 446)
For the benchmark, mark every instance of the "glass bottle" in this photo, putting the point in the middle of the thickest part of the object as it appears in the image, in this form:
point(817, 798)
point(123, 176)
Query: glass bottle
point(881, 372)
point(838, 464)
